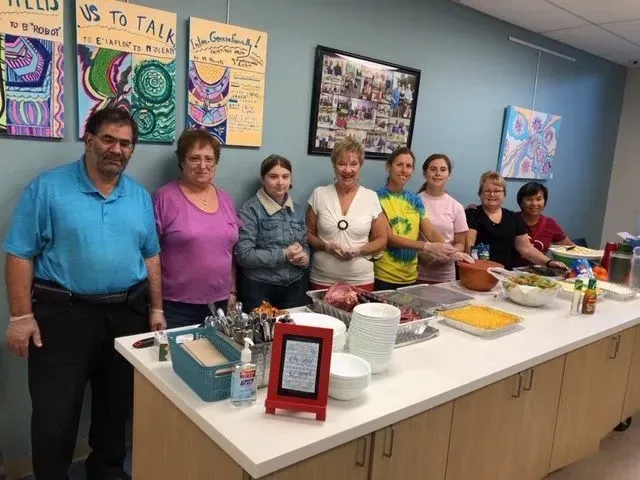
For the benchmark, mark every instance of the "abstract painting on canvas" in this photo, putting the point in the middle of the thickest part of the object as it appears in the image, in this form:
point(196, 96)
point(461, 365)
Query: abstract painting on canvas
point(31, 87)
point(529, 141)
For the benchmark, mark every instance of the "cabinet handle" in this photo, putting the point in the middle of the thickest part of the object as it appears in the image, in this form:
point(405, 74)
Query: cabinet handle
point(616, 339)
point(361, 460)
point(389, 454)
point(529, 385)
point(517, 386)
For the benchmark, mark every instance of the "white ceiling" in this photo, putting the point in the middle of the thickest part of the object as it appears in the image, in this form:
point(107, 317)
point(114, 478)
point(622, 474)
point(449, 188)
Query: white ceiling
point(606, 28)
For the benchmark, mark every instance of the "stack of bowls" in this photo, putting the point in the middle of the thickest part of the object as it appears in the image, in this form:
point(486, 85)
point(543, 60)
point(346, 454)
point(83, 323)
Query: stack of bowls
point(324, 321)
point(349, 376)
point(372, 333)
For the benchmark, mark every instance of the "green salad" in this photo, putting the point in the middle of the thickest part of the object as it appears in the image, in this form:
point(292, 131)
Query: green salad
point(532, 280)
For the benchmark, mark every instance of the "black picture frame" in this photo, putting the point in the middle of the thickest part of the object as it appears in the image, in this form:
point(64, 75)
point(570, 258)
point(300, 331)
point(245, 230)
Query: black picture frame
point(367, 99)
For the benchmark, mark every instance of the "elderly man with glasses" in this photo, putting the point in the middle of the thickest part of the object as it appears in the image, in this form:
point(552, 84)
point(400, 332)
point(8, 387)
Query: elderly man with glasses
point(83, 268)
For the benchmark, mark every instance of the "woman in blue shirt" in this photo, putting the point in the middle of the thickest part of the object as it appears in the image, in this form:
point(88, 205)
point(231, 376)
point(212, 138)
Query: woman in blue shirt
point(272, 249)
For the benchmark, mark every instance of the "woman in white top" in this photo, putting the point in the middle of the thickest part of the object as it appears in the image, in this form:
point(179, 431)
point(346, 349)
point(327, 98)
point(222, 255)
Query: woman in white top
point(446, 215)
point(345, 224)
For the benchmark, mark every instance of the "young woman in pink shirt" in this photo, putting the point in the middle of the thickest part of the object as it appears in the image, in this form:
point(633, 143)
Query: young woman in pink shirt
point(446, 215)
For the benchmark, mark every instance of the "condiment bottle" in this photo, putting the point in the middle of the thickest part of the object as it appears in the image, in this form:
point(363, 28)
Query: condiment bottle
point(576, 303)
point(243, 381)
point(590, 298)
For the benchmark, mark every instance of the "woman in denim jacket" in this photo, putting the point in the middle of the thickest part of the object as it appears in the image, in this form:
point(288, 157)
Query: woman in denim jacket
point(272, 249)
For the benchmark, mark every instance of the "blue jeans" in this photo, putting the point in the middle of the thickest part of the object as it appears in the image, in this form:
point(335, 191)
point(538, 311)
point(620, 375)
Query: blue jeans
point(280, 296)
point(180, 314)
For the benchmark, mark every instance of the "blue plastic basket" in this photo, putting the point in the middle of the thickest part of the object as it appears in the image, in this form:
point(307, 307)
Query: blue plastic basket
point(210, 383)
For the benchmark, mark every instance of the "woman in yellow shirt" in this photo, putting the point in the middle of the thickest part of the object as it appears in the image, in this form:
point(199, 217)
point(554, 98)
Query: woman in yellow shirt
point(406, 220)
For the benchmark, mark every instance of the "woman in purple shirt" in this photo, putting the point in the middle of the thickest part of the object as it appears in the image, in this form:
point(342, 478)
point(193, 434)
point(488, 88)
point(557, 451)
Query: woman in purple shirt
point(198, 228)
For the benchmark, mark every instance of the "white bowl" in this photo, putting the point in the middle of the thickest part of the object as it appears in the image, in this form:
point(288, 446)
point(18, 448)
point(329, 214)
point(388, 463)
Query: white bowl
point(347, 366)
point(345, 394)
point(531, 296)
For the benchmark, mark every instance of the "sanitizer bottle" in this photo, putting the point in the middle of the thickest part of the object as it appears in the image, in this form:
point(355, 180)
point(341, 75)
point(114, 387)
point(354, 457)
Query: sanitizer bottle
point(243, 382)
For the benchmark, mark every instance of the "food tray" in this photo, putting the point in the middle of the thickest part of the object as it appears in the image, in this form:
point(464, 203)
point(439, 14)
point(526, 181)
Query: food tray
point(409, 337)
point(483, 332)
point(260, 355)
point(444, 298)
point(210, 383)
point(619, 293)
point(405, 330)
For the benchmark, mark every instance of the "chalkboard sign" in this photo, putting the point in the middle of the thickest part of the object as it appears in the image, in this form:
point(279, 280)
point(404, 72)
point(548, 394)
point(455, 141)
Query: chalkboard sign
point(299, 375)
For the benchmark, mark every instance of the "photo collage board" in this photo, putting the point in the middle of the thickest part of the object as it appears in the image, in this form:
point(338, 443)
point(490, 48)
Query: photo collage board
point(370, 101)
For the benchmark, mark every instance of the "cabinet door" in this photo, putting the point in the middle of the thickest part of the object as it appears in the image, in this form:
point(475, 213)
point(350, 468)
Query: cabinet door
point(632, 399)
point(414, 448)
point(346, 462)
point(540, 399)
point(593, 392)
point(484, 432)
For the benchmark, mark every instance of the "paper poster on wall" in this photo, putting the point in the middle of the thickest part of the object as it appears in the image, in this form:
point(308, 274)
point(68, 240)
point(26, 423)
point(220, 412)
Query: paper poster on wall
point(127, 59)
point(31, 68)
point(226, 81)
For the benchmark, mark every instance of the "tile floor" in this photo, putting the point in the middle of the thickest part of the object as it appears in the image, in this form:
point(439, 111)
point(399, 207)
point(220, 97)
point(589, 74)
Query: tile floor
point(618, 459)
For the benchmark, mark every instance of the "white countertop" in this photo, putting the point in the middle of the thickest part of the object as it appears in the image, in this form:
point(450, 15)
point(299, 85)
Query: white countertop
point(422, 376)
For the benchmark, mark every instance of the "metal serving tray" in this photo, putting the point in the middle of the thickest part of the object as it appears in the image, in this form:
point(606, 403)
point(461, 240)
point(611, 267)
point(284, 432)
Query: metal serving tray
point(444, 298)
point(411, 332)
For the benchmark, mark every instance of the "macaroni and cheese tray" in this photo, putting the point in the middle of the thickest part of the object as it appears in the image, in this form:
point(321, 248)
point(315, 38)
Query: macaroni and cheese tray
point(481, 320)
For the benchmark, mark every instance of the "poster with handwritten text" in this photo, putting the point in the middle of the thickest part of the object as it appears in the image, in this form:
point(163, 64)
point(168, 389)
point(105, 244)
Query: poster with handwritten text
point(226, 81)
point(300, 366)
point(127, 59)
point(31, 68)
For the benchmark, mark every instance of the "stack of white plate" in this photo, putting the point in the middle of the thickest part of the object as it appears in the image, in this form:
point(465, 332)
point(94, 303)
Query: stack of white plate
point(349, 376)
point(311, 319)
point(372, 333)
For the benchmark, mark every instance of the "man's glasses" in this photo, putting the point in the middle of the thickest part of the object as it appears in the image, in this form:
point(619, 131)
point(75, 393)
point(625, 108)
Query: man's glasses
point(110, 142)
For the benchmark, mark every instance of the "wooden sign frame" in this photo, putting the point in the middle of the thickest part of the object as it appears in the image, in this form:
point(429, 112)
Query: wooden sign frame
point(280, 393)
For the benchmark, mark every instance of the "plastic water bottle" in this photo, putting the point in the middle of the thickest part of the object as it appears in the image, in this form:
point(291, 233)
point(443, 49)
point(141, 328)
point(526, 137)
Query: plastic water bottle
point(634, 277)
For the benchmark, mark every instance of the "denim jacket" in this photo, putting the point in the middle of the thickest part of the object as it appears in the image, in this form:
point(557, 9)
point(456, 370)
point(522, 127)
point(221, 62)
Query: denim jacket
point(267, 229)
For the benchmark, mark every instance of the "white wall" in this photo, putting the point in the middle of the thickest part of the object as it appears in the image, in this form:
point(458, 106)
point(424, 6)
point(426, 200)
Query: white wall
point(623, 204)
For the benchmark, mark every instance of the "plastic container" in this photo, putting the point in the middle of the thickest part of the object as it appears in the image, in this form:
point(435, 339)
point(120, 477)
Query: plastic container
point(620, 266)
point(634, 277)
point(210, 383)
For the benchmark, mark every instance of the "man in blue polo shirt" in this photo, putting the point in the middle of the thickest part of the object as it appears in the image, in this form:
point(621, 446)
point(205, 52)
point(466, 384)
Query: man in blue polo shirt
point(83, 268)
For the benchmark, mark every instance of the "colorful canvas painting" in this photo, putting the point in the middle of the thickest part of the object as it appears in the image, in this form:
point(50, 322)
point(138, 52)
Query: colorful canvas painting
point(126, 59)
point(529, 141)
point(31, 87)
point(144, 86)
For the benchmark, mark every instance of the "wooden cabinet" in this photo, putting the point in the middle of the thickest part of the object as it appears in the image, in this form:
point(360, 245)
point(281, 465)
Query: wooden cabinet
point(593, 393)
point(505, 430)
point(632, 397)
point(414, 448)
point(348, 461)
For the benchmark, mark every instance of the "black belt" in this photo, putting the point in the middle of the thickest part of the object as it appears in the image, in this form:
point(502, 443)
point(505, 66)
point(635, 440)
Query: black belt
point(44, 290)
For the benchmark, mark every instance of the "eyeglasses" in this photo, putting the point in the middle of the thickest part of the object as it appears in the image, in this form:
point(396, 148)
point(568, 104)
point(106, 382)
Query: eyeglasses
point(195, 161)
point(110, 142)
point(488, 193)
